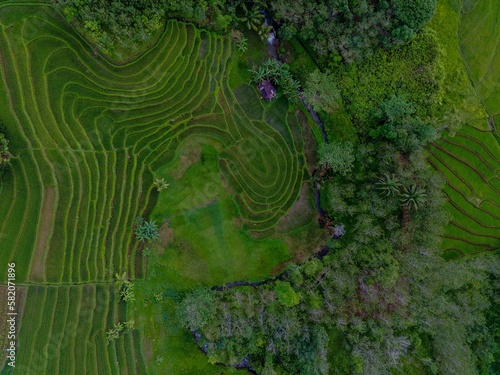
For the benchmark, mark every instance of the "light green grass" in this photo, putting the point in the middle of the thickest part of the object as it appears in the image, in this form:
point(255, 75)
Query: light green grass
point(458, 92)
point(208, 247)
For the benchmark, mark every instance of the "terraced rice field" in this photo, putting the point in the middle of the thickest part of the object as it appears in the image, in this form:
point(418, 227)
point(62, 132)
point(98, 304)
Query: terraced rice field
point(89, 134)
point(62, 333)
point(470, 161)
point(88, 138)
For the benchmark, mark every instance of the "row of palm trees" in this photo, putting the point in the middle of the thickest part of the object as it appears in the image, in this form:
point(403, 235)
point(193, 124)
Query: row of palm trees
point(114, 333)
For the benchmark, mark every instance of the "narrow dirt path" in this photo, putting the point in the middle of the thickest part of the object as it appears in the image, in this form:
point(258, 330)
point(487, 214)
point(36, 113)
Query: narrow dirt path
point(38, 262)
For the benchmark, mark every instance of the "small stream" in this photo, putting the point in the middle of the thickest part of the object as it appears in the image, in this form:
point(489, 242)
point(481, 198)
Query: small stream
point(271, 48)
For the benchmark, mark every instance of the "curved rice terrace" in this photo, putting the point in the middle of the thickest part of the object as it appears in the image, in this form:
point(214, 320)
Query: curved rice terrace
point(470, 161)
point(89, 138)
point(90, 135)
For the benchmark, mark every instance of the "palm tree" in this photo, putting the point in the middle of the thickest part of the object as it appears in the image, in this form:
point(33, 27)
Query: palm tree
point(129, 324)
point(388, 184)
point(159, 359)
point(119, 327)
point(259, 75)
point(264, 31)
point(242, 44)
point(128, 293)
point(111, 335)
point(412, 197)
point(147, 231)
point(252, 17)
point(160, 184)
point(121, 278)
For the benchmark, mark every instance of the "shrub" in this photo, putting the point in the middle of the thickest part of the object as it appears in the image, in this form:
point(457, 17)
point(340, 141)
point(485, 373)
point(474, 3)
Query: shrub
point(338, 156)
point(286, 295)
point(414, 13)
point(5, 155)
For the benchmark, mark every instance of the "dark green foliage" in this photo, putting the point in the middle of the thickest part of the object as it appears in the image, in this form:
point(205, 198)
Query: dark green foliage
point(252, 324)
point(385, 307)
point(351, 29)
point(416, 13)
point(116, 26)
point(5, 155)
point(412, 196)
point(122, 28)
point(301, 64)
point(396, 121)
point(252, 18)
point(198, 309)
point(295, 275)
point(321, 92)
point(388, 184)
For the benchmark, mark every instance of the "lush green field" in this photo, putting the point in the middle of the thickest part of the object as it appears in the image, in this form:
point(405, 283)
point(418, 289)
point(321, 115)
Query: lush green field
point(89, 137)
point(470, 160)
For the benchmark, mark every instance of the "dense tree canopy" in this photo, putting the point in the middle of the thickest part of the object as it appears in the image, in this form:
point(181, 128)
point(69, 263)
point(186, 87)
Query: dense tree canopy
point(395, 120)
point(355, 29)
point(416, 13)
point(351, 29)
